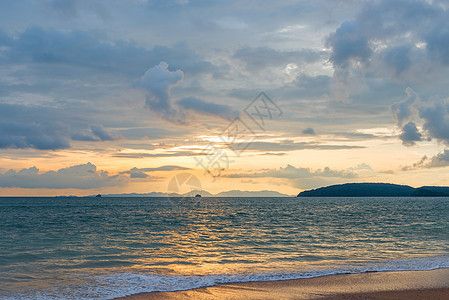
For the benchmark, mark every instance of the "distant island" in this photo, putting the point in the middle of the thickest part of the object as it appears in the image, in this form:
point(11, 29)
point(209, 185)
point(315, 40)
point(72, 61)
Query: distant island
point(197, 193)
point(376, 190)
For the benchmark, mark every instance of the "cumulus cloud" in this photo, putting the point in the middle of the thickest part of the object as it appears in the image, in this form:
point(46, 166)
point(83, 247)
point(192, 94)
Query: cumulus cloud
point(85, 176)
point(397, 38)
point(410, 134)
point(157, 83)
point(348, 43)
point(432, 114)
point(437, 161)
point(436, 121)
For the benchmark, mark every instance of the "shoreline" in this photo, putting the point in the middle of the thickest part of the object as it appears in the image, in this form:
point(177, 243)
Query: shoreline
point(431, 284)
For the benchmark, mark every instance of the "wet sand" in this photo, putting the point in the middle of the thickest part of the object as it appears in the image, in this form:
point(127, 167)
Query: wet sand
point(376, 285)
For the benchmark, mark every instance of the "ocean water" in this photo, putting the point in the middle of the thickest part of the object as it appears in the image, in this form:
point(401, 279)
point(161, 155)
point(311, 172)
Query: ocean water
point(101, 248)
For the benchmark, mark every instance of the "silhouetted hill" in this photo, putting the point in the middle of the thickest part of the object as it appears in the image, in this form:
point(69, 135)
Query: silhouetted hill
point(431, 191)
point(375, 190)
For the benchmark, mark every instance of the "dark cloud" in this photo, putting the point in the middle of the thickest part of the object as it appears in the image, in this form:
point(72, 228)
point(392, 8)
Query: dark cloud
point(349, 43)
point(44, 128)
point(84, 176)
point(84, 49)
point(399, 58)
point(308, 131)
point(434, 115)
point(436, 121)
point(33, 135)
point(437, 41)
point(100, 132)
point(390, 35)
point(202, 107)
point(410, 134)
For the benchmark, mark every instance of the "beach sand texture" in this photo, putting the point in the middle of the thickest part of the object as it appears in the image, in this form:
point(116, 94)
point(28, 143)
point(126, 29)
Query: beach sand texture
point(432, 285)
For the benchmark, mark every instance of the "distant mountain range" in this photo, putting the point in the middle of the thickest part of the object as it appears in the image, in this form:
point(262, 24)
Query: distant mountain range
point(233, 193)
point(376, 190)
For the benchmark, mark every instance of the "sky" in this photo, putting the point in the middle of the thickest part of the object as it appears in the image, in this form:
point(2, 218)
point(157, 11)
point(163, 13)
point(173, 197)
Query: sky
point(124, 96)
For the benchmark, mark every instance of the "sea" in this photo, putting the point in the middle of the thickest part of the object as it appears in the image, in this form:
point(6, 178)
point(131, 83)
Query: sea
point(103, 248)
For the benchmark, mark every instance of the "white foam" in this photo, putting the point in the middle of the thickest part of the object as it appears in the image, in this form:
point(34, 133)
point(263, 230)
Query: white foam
point(122, 284)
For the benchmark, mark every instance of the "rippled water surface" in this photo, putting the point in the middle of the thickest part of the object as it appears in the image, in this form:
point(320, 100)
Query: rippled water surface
point(109, 247)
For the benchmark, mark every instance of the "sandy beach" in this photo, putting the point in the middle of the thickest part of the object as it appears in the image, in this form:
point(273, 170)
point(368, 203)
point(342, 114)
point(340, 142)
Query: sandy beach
point(432, 284)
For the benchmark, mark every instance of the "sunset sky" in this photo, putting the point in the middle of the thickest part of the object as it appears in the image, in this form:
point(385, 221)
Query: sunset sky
point(120, 96)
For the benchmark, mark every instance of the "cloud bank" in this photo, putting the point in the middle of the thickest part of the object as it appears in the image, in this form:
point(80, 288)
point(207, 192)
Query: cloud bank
point(85, 176)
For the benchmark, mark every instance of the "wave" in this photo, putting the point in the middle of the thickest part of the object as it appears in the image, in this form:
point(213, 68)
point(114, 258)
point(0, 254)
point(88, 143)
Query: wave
point(110, 286)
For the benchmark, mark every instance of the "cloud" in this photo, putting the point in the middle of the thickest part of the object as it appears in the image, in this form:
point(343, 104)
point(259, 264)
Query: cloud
point(163, 168)
point(291, 172)
point(437, 161)
point(207, 108)
point(100, 132)
point(168, 154)
point(410, 134)
point(141, 172)
point(404, 39)
point(308, 131)
point(135, 173)
point(434, 115)
point(399, 58)
point(39, 136)
point(436, 121)
point(256, 59)
point(93, 50)
point(83, 137)
point(403, 110)
point(292, 146)
point(362, 166)
point(85, 176)
point(157, 83)
point(437, 42)
point(349, 43)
